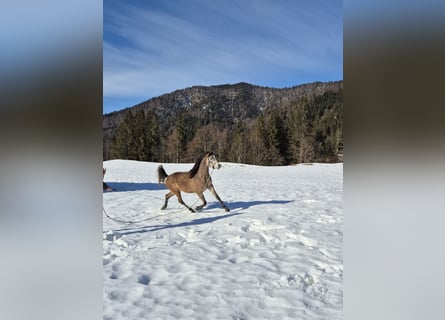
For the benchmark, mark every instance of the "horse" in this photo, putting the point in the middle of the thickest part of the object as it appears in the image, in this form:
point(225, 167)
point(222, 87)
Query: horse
point(197, 180)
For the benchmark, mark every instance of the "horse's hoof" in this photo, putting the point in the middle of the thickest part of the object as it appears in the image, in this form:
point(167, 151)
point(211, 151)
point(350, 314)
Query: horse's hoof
point(227, 209)
point(163, 208)
point(192, 210)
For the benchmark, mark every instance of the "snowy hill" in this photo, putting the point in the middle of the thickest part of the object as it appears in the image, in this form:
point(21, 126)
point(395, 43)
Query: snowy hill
point(276, 255)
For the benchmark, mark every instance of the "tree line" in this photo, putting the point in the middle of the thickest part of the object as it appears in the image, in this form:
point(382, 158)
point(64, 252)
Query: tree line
point(308, 131)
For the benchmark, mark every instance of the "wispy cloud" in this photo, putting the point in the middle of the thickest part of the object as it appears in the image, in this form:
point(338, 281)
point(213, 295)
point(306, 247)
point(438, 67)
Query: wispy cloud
point(154, 47)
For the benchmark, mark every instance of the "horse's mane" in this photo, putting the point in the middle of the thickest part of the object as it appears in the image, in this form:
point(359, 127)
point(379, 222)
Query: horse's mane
point(195, 168)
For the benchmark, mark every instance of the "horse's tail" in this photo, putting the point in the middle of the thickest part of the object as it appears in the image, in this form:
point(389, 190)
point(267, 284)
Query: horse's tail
point(161, 174)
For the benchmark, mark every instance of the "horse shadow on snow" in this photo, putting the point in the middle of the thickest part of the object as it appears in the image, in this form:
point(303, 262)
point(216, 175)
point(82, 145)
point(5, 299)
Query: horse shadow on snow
point(248, 204)
point(135, 186)
point(204, 220)
point(194, 222)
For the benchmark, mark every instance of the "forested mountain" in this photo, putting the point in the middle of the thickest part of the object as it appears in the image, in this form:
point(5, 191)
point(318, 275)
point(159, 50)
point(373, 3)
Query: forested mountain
point(240, 123)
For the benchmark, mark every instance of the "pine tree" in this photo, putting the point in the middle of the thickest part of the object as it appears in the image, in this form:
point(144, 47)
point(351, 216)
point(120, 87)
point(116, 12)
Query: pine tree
point(124, 146)
point(256, 152)
point(271, 132)
point(153, 138)
point(237, 144)
point(328, 126)
point(307, 151)
point(182, 135)
point(300, 133)
point(279, 139)
point(294, 132)
point(140, 137)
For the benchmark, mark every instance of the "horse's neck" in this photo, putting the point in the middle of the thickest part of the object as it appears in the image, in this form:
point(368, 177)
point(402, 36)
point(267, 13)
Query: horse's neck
point(203, 169)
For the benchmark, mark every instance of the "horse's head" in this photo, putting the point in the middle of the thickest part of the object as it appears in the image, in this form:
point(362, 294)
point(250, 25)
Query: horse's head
point(212, 162)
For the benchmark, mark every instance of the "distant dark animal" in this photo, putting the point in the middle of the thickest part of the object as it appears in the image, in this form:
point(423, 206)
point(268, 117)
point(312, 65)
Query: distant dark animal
point(106, 187)
point(197, 180)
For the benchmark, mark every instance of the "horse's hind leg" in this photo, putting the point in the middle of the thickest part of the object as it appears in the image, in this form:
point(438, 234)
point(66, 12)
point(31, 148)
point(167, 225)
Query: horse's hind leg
point(213, 191)
point(167, 196)
point(178, 195)
point(204, 202)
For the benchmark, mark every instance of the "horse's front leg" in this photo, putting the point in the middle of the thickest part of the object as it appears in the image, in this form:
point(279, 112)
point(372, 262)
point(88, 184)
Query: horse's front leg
point(204, 202)
point(213, 191)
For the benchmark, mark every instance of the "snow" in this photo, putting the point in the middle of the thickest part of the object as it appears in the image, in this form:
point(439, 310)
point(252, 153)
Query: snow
point(276, 255)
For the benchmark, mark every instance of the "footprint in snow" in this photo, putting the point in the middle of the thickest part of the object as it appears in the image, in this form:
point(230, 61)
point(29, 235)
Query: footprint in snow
point(144, 279)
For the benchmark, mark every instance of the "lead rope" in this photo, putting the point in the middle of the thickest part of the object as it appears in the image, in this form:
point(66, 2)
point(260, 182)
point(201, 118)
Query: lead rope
point(135, 221)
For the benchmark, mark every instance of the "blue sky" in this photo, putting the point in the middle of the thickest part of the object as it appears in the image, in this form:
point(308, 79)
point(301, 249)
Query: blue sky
point(154, 47)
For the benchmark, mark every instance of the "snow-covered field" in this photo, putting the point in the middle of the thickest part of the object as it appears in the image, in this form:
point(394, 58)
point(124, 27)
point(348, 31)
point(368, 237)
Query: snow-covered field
point(276, 255)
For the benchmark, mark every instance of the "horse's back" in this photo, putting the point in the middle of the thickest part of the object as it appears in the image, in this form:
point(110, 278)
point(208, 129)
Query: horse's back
point(181, 181)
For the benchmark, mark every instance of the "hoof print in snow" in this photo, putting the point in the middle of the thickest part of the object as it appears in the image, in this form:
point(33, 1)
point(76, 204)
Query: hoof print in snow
point(145, 280)
point(307, 281)
point(114, 276)
point(291, 280)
